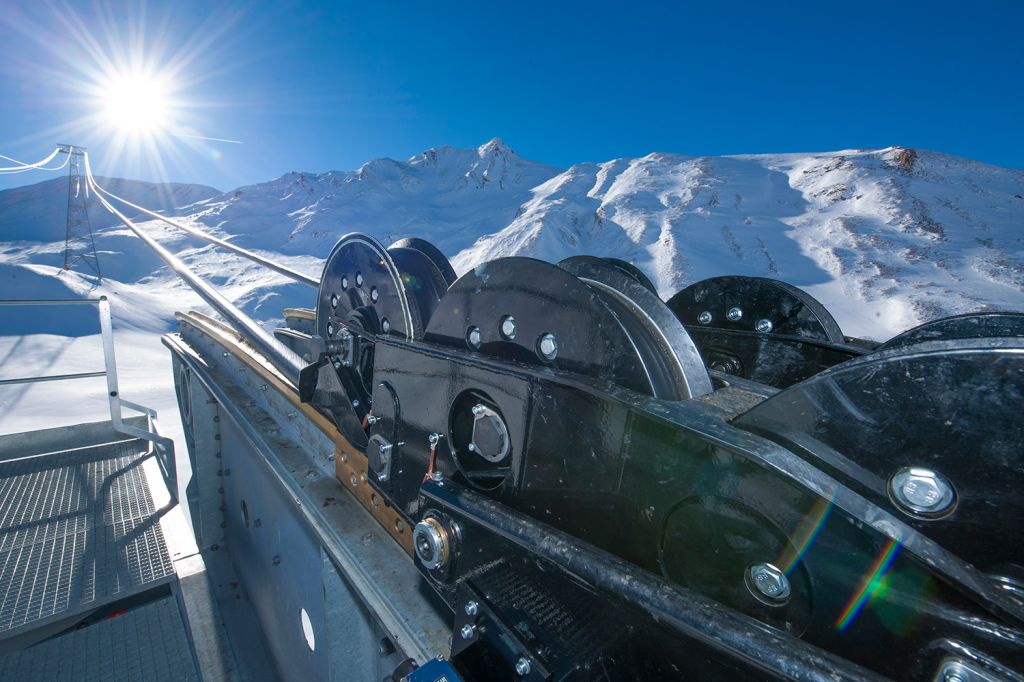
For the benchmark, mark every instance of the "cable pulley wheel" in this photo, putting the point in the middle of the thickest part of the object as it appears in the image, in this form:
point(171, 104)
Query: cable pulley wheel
point(572, 262)
point(653, 330)
point(530, 311)
point(969, 326)
point(755, 304)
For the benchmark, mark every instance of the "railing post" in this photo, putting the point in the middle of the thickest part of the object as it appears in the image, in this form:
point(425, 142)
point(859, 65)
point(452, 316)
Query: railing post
point(110, 363)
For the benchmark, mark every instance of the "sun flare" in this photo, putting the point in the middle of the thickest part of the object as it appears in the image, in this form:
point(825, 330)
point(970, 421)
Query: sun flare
point(136, 103)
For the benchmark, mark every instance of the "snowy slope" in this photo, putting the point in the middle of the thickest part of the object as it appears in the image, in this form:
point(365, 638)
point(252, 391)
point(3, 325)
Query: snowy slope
point(884, 238)
point(38, 212)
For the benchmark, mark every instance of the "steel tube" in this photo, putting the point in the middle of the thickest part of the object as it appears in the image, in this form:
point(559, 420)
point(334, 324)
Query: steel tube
point(277, 353)
point(52, 377)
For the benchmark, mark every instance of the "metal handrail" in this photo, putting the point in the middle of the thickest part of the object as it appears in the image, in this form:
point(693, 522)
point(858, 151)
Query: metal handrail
point(162, 446)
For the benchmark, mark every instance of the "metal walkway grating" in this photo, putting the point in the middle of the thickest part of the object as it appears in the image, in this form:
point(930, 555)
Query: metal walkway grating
point(147, 643)
point(77, 530)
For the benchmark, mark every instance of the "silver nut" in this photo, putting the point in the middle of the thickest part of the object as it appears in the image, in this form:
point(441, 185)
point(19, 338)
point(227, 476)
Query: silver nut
point(548, 346)
point(359, 279)
point(374, 294)
point(508, 327)
point(478, 409)
point(472, 608)
point(705, 317)
point(763, 326)
point(473, 337)
point(917, 489)
point(735, 314)
point(334, 300)
point(344, 281)
point(522, 667)
point(769, 581)
point(385, 325)
point(330, 329)
point(467, 631)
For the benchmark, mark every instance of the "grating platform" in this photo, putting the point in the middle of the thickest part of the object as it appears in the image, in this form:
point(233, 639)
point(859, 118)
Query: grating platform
point(147, 643)
point(78, 530)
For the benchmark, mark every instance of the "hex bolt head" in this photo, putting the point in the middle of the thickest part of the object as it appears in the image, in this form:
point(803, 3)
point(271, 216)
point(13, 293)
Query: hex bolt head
point(548, 346)
point(334, 300)
point(478, 409)
point(467, 631)
point(473, 337)
point(522, 667)
point(705, 317)
point(508, 327)
point(344, 281)
point(921, 490)
point(374, 294)
point(330, 329)
point(472, 608)
point(769, 581)
point(763, 326)
point(735, 314)
point(359, 279)
point(385, 325)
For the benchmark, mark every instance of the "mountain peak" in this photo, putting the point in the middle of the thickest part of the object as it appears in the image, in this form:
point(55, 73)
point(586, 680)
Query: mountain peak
point(495, 147)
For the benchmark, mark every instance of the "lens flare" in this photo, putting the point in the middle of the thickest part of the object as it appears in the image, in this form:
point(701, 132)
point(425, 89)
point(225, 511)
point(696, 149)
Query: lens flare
point(871, 584)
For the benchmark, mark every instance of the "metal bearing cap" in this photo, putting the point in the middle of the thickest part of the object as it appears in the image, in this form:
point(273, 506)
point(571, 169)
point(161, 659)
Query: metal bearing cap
point(431, 542)
point(490, 436)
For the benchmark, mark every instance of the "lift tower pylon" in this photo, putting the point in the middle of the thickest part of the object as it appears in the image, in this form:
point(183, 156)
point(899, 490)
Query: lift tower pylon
point(78, 227)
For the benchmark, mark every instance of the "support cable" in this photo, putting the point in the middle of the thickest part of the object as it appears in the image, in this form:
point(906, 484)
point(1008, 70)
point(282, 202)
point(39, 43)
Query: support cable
point(286, 360)
point(67, 159)
point(267, 263)
point(29, 166)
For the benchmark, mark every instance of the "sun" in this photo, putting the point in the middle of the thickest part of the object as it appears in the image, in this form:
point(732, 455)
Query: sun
point(136, 103)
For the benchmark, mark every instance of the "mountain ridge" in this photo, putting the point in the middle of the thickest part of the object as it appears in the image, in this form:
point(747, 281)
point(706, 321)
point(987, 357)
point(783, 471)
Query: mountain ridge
point(884, 238)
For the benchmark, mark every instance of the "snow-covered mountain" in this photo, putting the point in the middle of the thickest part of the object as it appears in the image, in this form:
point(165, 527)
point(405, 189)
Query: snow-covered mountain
point(884, 238)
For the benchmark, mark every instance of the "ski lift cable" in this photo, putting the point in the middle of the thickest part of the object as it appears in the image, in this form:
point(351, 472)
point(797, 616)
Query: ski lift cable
point(276, 267)
point(279, 355)
point(29, 166)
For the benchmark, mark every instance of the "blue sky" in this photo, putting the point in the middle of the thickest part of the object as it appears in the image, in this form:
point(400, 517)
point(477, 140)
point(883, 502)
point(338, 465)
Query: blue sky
point(320, 86)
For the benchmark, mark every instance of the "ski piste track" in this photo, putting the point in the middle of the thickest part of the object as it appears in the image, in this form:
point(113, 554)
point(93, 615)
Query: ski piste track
point(553, 473)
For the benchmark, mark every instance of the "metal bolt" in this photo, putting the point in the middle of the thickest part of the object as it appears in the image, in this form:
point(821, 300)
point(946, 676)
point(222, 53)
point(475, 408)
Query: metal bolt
point(548, 346)
point(337, 364)
point(344, 281)
point(472, 447)
point(478, 409)
point(371, 420)
point(473, 337)
point(434, 438)
point(763, 326)
point(522, 667)
point(330, 330)
point(385, 325)
point(917, 489)
point(467, 631)
point(735, 314)
point(374, 294)
point(355, 403)
point(353, 479)
point(769, 581)
point(472, 608)
point(359, 279)
point(436, 476)
point(508, 327)
point(334, 300)
point(705, 317)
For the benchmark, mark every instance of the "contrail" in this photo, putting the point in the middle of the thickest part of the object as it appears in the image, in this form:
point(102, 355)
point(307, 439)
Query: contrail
point(209, 139)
